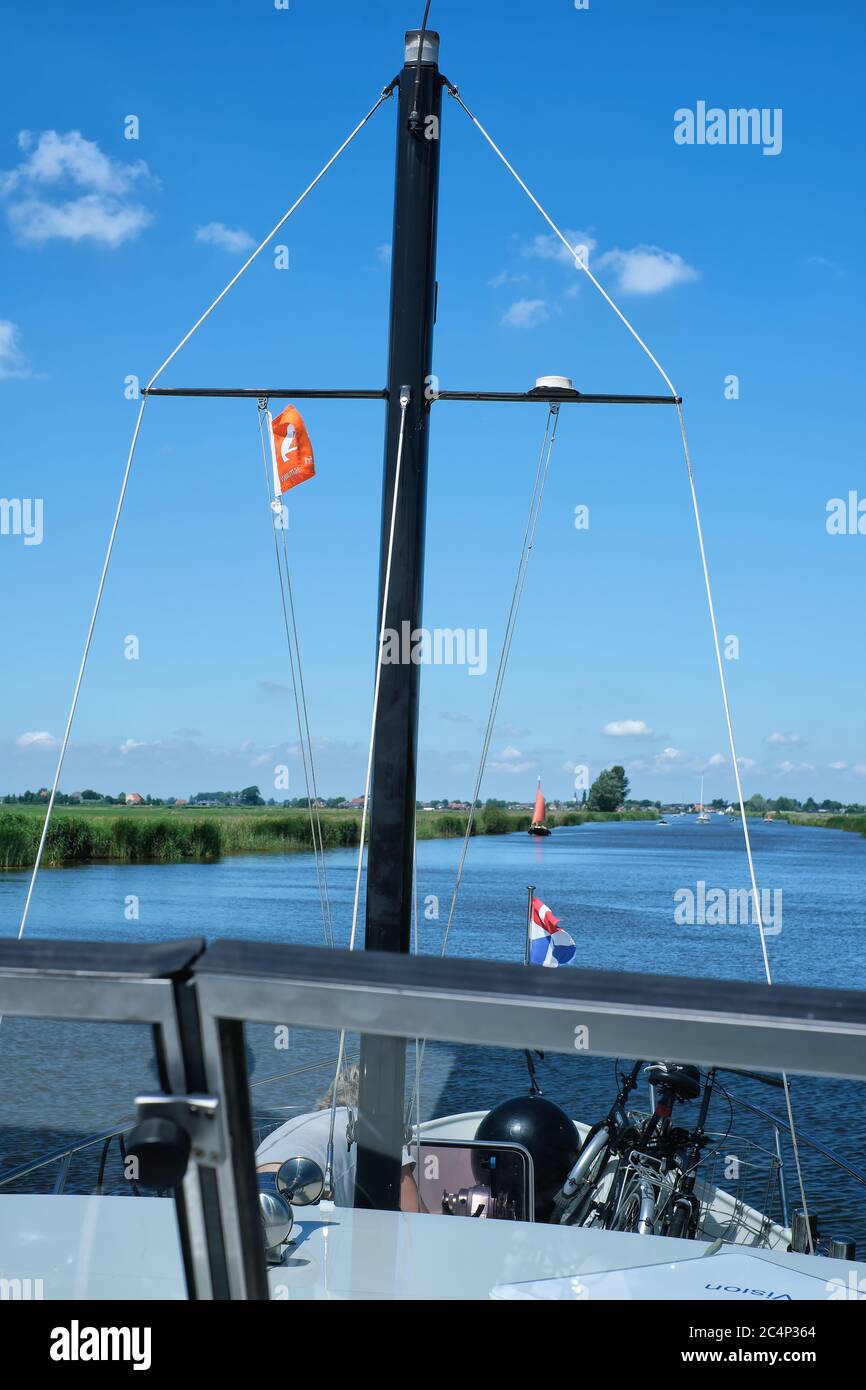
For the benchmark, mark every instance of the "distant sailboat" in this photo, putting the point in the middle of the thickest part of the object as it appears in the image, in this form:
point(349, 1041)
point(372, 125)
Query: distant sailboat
point(538, 826)
point(703, 818)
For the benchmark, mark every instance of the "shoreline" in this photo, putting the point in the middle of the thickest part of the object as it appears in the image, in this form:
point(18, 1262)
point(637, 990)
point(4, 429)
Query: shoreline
point(857, 824)
point(136, 835)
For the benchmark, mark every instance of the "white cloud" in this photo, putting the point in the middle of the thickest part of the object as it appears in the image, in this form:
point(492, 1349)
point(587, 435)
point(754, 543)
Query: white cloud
point(746, 764)
point(383, 253)
point(233, 239)
point(671, 755)
point(512, 760)
point(454, 717)
point(628, 728)
point(860, 769)
point(37, 192)
point(547, 247)
point(13, 363)
point(647, 269)
point(780, 738)
point(787, 767)
point(263, 759)
point(38, 738)
point(131, 745)
point(503, 278)
point(91, 218)
point(838, 767)
point(717, 760)
point(54, 157)
point(526, 313)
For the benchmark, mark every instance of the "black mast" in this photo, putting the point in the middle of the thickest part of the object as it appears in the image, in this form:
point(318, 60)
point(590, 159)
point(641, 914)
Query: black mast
point(379, 1131)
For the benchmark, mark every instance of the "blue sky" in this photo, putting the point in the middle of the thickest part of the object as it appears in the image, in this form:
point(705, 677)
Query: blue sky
point(753, 269)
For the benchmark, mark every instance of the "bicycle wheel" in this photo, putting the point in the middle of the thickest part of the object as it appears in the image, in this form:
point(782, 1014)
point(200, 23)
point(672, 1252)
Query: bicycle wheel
point(681, 1218)
point(627, 1214)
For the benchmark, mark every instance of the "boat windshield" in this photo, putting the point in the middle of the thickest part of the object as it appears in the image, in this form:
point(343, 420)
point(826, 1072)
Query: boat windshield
point(68, 1089)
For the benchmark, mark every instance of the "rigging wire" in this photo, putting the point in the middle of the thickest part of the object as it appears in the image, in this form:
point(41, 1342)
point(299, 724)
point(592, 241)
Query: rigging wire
point(505, 650)
point(536, 499)
point(581, 263)
point(64, 744)
point(405, 397)
point(383, 96)
point(419, 1051)
point(305, 741)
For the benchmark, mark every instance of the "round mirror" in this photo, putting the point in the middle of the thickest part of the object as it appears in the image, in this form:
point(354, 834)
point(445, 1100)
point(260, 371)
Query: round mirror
point(301, 1181)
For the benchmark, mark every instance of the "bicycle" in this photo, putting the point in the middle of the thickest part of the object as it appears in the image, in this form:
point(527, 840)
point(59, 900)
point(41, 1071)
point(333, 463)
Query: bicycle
point(632, 1176)
point(651, 1167)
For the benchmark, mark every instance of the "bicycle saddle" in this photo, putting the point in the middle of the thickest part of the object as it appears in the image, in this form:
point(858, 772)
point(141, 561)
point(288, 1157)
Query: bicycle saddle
point(679, 1077)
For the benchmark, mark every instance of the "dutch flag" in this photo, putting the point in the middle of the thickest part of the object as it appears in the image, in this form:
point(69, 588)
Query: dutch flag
point(548, 943)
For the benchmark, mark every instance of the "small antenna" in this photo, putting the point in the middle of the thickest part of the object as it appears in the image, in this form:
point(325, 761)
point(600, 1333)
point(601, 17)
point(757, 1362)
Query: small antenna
point(414, 115)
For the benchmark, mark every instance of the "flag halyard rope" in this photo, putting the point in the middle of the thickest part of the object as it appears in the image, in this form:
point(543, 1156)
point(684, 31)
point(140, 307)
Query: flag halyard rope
point(305, 742)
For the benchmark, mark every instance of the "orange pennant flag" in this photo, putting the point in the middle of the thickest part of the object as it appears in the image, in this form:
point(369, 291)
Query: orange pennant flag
point(293, 452)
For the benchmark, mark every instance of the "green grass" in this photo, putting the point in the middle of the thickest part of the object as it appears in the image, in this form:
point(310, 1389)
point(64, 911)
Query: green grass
point(137, 834)
point(855, 823)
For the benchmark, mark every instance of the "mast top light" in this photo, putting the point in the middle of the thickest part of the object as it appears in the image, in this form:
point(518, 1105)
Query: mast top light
point(431, 46)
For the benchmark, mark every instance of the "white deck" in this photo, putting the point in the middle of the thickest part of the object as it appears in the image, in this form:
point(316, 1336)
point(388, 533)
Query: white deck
point(77, 1247)
point(343, 1254)
point(127, 1248)
point(91, 1247)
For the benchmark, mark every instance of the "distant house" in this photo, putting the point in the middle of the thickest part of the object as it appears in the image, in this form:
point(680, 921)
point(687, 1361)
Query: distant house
point(179, 802)
point(134, 799)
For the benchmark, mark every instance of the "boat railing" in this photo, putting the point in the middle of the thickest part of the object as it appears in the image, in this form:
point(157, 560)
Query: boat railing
point(197, 1004)
point(781, 1129)
point(64, 1154)
point(63, 1157)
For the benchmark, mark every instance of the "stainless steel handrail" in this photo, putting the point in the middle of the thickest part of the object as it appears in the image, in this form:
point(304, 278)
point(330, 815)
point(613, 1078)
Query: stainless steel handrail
point(63, 1155)
point(782, 1127)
